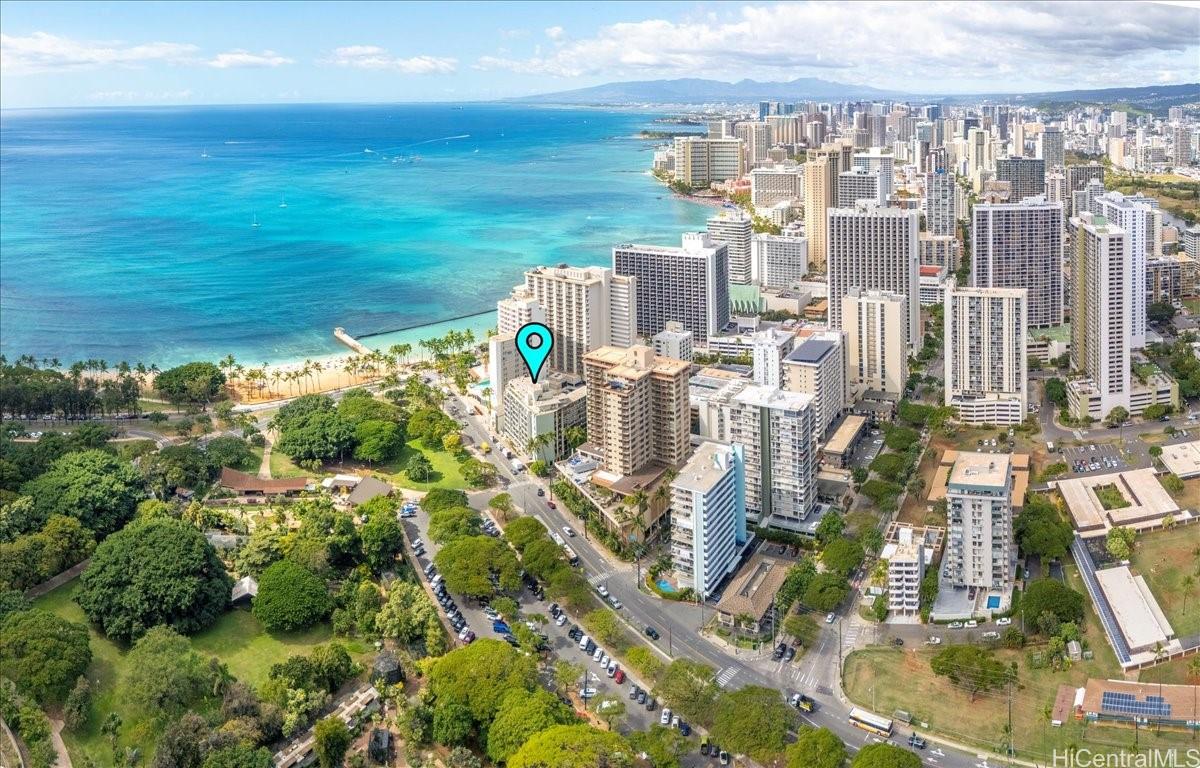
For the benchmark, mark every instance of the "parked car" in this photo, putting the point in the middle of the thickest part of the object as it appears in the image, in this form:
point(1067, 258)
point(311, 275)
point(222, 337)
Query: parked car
point(897, 641)
point(780, 649)
point(991, 635)
point(619, 677)
point(1004, 621)
point(603, 590)
point(955, 625)
point(615, 602)
point(652, 633)
point(830, 618)
point(934, 640)
point(916, 741)
point(789, 654)
point(665, 717)
point(971, 624)
point(685, 729)
point(567, 530)
point(562, 619)
point(541, 491)
point(634, 691)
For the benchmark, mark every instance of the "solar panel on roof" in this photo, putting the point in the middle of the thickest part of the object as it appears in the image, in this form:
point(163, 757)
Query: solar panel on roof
point(1128, 704)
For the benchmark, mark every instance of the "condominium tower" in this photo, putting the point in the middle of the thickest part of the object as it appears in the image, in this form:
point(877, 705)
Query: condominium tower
point(1019, 245)
point(689, 284)
point(979, 551)
point(874, 248)
point(585, 307)
point(735, 229)
point(708, 516)
point(876, 350)
point(775, 428)
point(1101, 317)
point(985, 350)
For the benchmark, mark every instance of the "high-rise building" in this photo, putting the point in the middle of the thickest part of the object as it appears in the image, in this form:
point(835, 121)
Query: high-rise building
point(876, 348)
point(877, 161)
point(552, 406)
point(1050, 147)
point(906, 561)
point(585, 308)
point(1019, 245)
point(784, 129)
point(938, 250)
point(689, 284)
point(979, 549)
point(859, 184)
point(979, 143)
point(818, 194)
point(941, 216)
point(1101, 316)
point(817, 367)
point(769, 347)
point(778, 261)
point(504, 365)
point(637, 408)
point(1079, 175)
point(756, 140)
point(700, 161)
point(517, 310)
point(985, 350)
point(874, 248)
point(1143, 226)
point(776, 184)
point(1026, 175)
point(1056, 189)
point(708, 517)
point(734, 229)
point(775, 429)
point(673, 341)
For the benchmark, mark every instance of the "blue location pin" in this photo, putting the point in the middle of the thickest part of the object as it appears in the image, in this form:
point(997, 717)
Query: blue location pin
point(534, 342)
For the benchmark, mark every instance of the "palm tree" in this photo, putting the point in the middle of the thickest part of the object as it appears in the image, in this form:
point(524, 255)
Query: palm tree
point(576, 436)
point(1189, 583)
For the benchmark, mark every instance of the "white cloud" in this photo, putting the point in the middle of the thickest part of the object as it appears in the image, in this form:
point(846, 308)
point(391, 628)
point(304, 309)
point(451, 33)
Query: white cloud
point(43, 52)
point(374, 57)
point(891, 44)
point(239, 58)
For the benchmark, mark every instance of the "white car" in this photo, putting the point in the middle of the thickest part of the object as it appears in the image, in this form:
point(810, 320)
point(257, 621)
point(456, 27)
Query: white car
point(665, 717)
point(971, 624)
point(598, 654)
point(615, 602)
point(567, 530)
point(934, 640)
point(604, 660)
point(603, 590)
point(1004, 622)
point(955, 625)
point(561, 620)
point(830, 618)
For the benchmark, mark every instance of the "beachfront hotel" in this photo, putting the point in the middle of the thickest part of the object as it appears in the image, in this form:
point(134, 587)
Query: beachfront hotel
point(688, 284)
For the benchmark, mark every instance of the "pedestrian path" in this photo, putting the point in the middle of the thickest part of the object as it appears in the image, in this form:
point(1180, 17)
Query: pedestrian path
point(726, 675)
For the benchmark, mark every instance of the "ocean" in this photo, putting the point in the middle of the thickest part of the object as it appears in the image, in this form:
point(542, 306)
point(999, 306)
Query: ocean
point(130, 234)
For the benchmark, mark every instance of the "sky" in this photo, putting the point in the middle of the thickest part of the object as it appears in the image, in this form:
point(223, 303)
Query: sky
point(65, 54)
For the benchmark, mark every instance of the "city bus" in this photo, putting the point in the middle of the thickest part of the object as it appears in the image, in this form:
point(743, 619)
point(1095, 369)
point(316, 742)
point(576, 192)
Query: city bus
point(870, 723)
point(572, 558)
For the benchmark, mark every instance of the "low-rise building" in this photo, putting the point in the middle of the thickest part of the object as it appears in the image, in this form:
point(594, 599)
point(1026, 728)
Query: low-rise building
point(749, 601)
point(674, 341)
point(932, 284)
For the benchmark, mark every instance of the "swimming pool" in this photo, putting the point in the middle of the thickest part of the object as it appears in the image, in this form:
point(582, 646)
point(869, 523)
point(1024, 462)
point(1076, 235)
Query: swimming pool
point(665, 585)
point(993, 601)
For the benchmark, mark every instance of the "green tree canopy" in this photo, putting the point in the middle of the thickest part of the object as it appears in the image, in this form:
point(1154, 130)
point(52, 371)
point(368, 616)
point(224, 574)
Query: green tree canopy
point(165, 675)
point(754, 721)
point(664, 746)
point(443, 498)
point(478, 676)
point(291, 597)
point(830, 527)
point(1040, 529)
point(573, 746)
point(161, 571)
point(94, 486)
point(816, 748)
point(468, 563)
point(446, 525)
point(690, 688)
point(520, 716)
point(377, 441)
point(230, 451)
point(971, 667)
point(523, 531)
point(842, 556)
point(825, 592)
point(196, 382)
point(885, 756)
point(359, 405)
point(331, 739)
point(43, 654)
point(407, 612)
point(382, 537)
point(1053, 596)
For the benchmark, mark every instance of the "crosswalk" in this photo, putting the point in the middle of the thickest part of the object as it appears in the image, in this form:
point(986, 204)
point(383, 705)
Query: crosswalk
point(597, 579)
point(726, 675)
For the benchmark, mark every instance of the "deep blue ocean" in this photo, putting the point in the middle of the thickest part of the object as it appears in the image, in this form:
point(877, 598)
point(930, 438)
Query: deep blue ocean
point(129, 234)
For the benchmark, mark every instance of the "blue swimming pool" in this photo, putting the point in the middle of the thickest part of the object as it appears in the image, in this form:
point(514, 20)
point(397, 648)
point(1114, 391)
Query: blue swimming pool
point(665, 585)
point(993, 601)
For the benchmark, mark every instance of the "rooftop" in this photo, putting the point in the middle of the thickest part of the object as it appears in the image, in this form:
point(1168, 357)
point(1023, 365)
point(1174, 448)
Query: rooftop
point(753, 587)
point(989, 470)
point(246, 483)
point(773, 397)
point(708, 466)
point(1141, 620)
point(850, 428)
point(1178, 702)
point(811, 351)
point(1182, 459)
point(1148, 501)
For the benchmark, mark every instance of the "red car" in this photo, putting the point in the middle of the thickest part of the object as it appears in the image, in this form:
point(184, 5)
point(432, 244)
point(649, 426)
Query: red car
point(552, 505)
point(619, 677)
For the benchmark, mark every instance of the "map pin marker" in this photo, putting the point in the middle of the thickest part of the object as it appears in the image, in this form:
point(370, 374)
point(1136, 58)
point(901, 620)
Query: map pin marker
point(534, 342)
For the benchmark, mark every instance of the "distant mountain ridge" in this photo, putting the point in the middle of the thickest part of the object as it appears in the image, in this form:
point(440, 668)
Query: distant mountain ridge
point(701, 91)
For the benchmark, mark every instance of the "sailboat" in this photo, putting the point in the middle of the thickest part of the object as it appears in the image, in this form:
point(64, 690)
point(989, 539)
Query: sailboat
point(204, 153)
point(256, 225)
point(282, 202)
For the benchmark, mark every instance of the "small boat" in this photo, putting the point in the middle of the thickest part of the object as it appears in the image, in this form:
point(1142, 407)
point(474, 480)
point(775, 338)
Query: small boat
point(204, 154)
point(282, 202)
point(255, 224)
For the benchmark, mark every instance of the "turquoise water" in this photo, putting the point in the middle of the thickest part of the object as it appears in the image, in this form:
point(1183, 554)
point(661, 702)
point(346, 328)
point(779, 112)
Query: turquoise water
point(665, 585)
point(120, 240)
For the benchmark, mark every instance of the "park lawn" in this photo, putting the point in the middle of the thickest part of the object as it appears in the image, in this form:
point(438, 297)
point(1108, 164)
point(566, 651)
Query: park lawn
point(1165, 559)
point(149, 406)
point(283, 467)
point(446, 473)
point(1175, 672)
point(237, 639)
point(1193, 305)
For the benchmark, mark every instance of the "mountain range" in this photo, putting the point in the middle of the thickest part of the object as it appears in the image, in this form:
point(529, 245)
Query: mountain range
point(701, 91)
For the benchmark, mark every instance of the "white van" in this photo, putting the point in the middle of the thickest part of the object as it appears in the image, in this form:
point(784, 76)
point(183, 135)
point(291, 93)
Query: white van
point(583, 642)
point(435, 581)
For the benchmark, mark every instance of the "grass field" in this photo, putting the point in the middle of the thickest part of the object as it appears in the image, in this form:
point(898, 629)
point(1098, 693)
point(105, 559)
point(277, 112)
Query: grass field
point(1165, 559)
point(282, 466)
point(445, 469)
point(888, 679)
point(1177, 672)
point(237, 639)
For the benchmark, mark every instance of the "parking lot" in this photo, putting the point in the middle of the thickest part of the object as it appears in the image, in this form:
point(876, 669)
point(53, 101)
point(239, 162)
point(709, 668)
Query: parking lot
point(637, 716)
point(1094, 458)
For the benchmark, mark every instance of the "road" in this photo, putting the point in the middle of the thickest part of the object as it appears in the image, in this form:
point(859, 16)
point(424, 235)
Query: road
point(816, 673)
